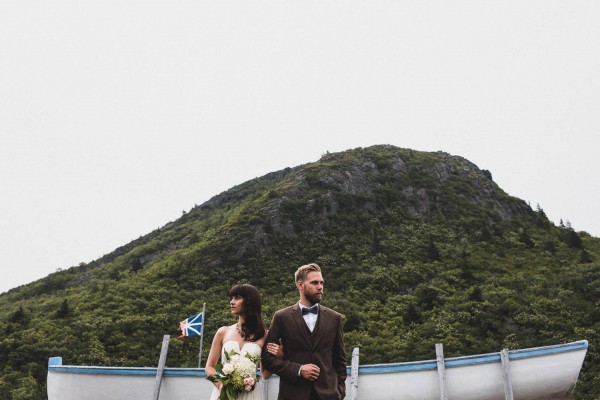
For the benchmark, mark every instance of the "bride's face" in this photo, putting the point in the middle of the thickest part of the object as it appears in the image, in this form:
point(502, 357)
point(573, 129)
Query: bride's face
point(236, 305)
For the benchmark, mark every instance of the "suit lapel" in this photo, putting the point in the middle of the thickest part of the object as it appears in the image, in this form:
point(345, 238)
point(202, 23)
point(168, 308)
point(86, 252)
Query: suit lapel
point(301, 324)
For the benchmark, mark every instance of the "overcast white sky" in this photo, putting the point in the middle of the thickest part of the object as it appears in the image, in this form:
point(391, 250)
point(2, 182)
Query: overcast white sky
point(115, 116)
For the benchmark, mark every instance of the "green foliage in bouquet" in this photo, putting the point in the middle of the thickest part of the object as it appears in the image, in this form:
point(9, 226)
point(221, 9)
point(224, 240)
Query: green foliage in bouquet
point(237, 374)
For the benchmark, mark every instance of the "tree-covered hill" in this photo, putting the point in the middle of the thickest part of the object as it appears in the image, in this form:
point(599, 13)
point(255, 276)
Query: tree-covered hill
point(417, 248)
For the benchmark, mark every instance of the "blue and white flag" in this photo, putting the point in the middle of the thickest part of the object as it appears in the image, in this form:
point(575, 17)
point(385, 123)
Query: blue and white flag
point(192, 326)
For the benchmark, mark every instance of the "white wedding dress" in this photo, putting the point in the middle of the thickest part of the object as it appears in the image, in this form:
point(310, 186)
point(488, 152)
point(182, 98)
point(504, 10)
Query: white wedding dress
point(248, 348)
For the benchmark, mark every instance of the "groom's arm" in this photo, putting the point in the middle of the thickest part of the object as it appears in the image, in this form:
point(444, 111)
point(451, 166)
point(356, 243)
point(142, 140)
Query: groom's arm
point(286, 369)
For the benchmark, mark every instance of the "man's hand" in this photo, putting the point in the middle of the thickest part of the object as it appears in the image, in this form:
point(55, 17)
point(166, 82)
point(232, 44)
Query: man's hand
point(310, 372)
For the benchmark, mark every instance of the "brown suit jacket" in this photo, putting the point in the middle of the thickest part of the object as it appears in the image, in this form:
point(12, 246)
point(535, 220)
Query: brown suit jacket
point(323, 347)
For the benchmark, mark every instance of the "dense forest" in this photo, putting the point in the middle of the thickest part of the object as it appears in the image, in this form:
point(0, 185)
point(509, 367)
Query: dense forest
point(426, 245)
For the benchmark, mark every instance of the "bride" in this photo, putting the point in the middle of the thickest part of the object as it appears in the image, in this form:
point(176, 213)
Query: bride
point(248, 335)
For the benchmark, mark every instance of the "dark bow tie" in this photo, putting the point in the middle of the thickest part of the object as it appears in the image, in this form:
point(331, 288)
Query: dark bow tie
point(314, 309)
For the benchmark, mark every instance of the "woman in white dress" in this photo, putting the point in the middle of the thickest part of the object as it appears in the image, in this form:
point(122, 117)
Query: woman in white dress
point(246, 336)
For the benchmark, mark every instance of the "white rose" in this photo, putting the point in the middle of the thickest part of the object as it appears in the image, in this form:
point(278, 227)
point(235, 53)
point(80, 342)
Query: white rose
point(227, 368)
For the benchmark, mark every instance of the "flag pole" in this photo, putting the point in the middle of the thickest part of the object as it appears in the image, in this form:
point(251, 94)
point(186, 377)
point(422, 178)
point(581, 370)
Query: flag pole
point(202, 334)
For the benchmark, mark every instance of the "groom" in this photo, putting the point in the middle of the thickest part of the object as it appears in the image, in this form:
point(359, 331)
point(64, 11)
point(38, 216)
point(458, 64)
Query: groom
point(313, 366)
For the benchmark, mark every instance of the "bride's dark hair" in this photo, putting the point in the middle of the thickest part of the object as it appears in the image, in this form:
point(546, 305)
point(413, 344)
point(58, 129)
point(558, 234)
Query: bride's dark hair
point(253, 327)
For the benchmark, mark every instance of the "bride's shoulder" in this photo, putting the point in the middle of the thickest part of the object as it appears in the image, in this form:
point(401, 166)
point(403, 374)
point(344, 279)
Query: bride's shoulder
point(262, 340)
point(222, 331)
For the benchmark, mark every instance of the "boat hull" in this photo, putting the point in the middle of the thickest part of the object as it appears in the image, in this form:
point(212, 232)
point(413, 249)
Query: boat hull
point(535, 377)
point(547, 373)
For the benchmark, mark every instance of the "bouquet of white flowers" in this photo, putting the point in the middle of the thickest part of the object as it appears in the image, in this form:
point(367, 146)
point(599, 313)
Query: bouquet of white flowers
point(237, 374)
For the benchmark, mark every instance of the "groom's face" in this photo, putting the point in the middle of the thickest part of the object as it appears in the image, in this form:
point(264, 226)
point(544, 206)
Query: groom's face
point(312, 287)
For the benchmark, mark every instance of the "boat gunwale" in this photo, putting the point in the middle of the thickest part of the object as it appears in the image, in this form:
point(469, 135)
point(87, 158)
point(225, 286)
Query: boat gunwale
point(476, 359)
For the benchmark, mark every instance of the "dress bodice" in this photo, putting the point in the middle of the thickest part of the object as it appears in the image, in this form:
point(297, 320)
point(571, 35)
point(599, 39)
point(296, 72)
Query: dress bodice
point(248, 348)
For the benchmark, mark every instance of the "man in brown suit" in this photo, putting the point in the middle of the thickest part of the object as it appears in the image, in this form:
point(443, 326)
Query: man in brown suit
point(313, 366)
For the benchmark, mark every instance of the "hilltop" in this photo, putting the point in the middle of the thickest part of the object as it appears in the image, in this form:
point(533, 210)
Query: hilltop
point(416, 247)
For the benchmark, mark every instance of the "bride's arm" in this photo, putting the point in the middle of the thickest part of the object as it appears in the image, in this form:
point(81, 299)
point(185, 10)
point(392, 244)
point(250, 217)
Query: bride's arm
point(264, 373)
point(215, 353)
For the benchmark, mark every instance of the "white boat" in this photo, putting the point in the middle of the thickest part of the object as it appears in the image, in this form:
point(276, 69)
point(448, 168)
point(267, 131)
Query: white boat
point(547, 373)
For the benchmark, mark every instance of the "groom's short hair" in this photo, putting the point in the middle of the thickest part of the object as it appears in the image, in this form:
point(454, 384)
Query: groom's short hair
point(304, 270)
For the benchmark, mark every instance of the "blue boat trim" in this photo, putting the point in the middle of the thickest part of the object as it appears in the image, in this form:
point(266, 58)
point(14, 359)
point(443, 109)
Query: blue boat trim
point(151, 372)
point(55, 363)
point(472, 360)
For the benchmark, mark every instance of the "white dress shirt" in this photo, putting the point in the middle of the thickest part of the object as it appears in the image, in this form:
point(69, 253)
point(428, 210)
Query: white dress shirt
point(310, 318)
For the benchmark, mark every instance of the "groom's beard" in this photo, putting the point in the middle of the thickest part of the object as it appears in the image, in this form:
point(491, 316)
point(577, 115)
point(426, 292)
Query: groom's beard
point(314, 298)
